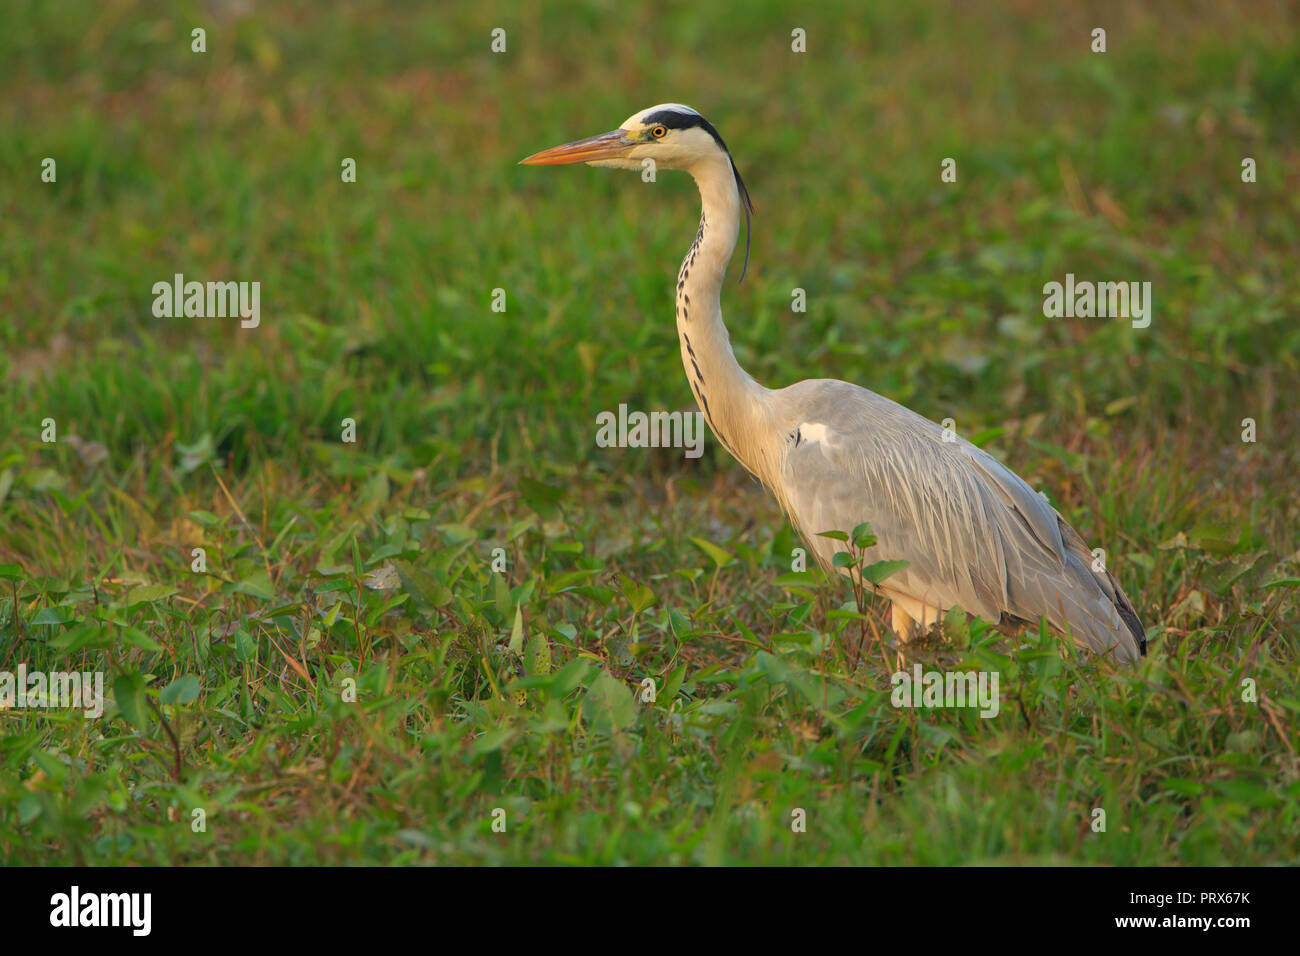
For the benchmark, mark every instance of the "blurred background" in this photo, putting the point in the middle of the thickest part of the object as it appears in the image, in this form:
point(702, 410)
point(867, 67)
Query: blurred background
point(376, 295)
point(475, 429)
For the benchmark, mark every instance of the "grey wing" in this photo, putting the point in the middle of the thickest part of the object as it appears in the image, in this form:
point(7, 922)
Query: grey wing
point(973, 533)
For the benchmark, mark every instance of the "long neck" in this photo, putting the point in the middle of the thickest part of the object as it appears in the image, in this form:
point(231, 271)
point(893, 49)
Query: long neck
point(734, 405)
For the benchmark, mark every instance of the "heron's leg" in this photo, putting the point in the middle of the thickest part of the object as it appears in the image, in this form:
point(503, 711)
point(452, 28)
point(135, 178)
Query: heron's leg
point(904, 624)
point(910, 617)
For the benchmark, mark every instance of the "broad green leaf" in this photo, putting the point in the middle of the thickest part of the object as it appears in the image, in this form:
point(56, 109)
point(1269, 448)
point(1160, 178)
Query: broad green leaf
point(30, 807)
point(501, 598)
point(180, 691)
point(681, 626)
point(542, 498)
point(567, 579)
point(86, 634)
point(980, 439)
point(492, 740)
point(797, 579)
point(570, 676)
point(455, 533)
point(664, 695)
point(638, 595)
point(720, 558)
point(258, 584)
point(814, 689)
point(426, 590)
point(47, 616)
point(877, 572)
point(537, 656)
point(138, 638)
point(129, 691)
point(55, 768)
point(245, 645)
point(517, 632)
point(609, 704)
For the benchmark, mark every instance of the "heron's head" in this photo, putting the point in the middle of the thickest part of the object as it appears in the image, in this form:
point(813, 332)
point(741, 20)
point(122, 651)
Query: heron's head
point(671, 135)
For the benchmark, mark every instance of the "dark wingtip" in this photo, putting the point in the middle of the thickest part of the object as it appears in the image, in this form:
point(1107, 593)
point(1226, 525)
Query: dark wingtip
point(1128, 614)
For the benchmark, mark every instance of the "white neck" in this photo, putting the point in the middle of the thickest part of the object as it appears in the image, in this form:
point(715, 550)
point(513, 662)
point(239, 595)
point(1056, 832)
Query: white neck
point(734, 405)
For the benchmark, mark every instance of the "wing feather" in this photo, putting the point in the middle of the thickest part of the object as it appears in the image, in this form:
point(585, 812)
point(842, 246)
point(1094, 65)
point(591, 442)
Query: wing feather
point(974, 534)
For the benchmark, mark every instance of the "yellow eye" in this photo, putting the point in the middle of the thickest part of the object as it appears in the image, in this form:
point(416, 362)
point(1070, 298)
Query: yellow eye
point(659, 132)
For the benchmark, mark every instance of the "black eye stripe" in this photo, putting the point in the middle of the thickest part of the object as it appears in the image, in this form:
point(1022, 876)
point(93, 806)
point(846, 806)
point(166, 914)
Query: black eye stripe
point(675, 119)
point(672, 119)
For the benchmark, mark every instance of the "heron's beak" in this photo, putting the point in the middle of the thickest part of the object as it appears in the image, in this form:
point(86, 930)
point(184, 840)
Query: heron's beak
point(611, 145)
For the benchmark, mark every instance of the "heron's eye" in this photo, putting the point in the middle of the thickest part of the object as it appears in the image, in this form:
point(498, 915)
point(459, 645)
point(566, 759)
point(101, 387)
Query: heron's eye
point(659, 132)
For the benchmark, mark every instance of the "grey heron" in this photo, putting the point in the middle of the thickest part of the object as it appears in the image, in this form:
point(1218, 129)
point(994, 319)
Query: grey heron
point(835, 455)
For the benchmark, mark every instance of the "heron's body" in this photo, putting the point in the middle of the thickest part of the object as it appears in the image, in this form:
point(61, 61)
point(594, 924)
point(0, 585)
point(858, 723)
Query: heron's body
point(975, 535)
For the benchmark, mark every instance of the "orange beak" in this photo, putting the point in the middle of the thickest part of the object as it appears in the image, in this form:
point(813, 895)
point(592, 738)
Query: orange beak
point(611, 145)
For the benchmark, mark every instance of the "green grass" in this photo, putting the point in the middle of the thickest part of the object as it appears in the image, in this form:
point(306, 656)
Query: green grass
point(369, 565)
